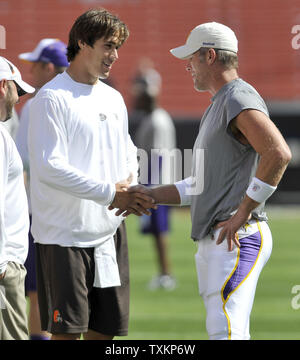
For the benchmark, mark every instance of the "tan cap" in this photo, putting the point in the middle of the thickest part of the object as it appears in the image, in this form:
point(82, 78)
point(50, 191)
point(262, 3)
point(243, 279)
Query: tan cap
point(209, 35)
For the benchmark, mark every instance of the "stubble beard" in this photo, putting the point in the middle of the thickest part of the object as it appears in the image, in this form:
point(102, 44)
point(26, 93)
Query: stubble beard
point(9, 105)
point(199, 86)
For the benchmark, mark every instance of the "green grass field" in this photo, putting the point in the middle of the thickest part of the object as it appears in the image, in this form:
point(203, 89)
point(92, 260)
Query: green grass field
point(180, 314)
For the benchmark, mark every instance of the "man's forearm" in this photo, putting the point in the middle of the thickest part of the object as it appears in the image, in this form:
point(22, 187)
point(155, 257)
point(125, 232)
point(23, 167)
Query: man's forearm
point(272, 166)
point(270, 169)
point(247, 206)
point(269, 173)
point(166, 194)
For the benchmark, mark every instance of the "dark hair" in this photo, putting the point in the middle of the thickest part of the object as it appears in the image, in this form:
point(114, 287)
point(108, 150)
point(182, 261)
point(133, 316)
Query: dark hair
point(145, 102)
point(93, 25)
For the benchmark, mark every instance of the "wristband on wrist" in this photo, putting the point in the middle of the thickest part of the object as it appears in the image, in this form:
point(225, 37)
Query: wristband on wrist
point(183, 189)
point(260, 191)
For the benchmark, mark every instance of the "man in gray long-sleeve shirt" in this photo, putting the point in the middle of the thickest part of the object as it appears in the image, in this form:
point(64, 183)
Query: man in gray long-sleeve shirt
point(239, 158)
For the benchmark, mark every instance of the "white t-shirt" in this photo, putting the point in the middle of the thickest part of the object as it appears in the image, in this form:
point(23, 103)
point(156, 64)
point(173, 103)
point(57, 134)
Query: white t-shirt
point(14, 219)
point(79, 147)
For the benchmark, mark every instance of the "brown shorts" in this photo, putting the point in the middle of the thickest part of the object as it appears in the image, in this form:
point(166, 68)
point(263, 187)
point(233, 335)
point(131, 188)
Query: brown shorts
point(68, 301)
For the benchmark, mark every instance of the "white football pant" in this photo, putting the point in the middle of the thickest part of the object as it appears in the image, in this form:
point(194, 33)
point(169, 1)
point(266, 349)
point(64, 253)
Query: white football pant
point(227, 280)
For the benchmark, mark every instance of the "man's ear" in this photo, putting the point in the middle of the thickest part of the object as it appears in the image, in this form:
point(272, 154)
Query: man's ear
point(211, 56)
point(3, 87)
point(50, 67)
point(81, 44)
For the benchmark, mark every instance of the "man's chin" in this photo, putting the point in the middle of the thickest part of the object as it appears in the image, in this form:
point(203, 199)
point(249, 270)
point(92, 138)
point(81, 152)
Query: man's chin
point(104, 76)
point(199, 88)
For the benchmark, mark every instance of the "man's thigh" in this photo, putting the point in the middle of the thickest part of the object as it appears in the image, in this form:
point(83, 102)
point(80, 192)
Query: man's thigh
point(110, 306)
point(64, 279)
point(231, 281)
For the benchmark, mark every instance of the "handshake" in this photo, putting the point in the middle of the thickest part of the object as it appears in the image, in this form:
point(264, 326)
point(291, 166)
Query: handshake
point(139, 199)
point(135, 200)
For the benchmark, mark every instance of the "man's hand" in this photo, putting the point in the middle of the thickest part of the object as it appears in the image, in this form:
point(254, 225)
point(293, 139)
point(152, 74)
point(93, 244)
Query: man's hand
point(130, 201)
point(142, 189)
point(123, 185)
point(230, 228)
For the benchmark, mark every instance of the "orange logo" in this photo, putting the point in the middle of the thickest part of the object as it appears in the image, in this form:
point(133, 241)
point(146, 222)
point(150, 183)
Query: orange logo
point(56, 316)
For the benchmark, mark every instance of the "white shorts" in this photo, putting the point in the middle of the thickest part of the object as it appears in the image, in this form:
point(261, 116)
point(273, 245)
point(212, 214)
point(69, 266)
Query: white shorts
point(227, 280)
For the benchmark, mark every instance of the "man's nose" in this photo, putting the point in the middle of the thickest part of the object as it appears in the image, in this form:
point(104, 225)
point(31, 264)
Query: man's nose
point(114, 54)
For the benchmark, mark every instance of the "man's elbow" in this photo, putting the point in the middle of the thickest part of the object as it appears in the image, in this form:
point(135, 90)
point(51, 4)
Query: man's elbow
point(283, 155)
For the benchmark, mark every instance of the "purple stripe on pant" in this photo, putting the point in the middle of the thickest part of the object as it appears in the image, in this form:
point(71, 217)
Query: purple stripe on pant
point(249, 251)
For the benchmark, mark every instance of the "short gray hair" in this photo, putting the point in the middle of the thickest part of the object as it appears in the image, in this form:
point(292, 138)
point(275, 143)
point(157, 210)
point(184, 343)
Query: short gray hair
point(228, 59)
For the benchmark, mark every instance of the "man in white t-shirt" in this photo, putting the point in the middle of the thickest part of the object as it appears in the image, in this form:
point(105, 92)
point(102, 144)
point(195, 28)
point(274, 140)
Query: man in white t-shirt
point(14, 222)
point(82, 160)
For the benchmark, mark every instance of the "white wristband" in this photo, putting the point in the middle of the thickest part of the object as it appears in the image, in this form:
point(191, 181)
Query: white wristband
point(182, 187)
point(259, 191)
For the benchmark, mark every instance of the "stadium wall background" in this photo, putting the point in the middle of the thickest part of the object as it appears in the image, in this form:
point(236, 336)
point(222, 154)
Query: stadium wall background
point(269, 54)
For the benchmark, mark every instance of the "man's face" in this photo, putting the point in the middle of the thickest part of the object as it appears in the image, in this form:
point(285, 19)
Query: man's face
point(11, 98)
point(40, 74)
point(100, 57)
point(197, 66)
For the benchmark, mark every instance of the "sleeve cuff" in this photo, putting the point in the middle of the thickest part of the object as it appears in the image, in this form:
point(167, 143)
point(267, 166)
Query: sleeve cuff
point(185, 197)
point(106, 194)
point(111, 193)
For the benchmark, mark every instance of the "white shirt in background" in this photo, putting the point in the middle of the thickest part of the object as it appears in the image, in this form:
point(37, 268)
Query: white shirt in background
point(14, 219)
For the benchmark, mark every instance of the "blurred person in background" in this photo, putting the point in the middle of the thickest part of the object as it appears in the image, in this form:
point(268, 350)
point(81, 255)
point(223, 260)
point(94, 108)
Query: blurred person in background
point(14, 220)
point(239, 157)
point(48, 59)
point(146, 78)
point(155, 134)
